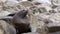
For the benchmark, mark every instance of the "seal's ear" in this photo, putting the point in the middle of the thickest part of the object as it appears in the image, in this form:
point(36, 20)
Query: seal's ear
point(22, 13)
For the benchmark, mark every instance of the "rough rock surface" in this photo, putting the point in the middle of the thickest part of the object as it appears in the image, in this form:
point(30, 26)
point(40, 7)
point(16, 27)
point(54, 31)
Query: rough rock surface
point(44, 16)
point(6, 28)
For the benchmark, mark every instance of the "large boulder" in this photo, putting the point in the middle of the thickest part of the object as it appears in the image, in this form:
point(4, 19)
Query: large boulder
point(6, 28)
point(31, 33)
point(4, 13)
point(26, 3)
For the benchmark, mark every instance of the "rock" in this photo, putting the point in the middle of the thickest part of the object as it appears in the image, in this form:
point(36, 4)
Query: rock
point(42, 1)
point(4, 13)
point(52, 11)
point(57, 9)
point(55, 32)
point(53, 29)
point(55, 2)
point(21, 0)
point(7, 28)
point(26, 3)
point(31, 33)
point(11, 2)
point(3, 0)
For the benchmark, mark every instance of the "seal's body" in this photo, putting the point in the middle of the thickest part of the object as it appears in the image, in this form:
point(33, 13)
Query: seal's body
point(21, 21)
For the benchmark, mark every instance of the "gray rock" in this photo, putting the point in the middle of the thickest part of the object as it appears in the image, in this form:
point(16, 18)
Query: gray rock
point(31, 33)
point(7, 28)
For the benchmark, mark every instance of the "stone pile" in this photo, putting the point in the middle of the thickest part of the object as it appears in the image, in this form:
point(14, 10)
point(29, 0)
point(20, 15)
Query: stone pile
point(44, 17)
